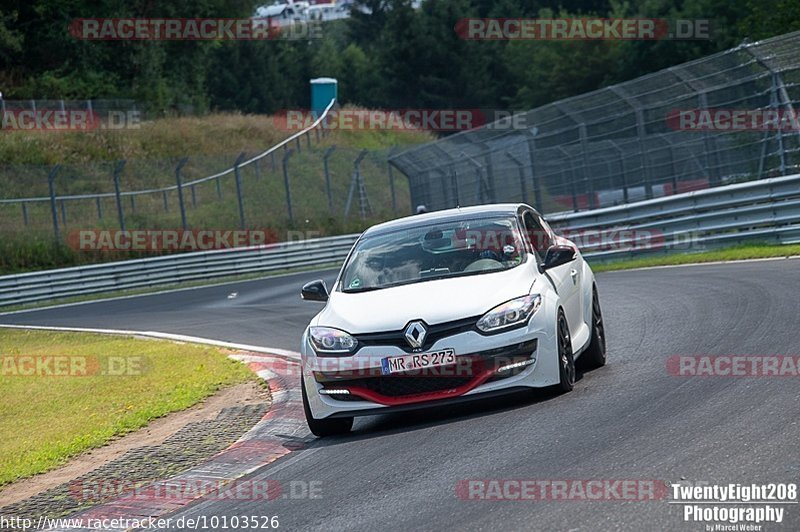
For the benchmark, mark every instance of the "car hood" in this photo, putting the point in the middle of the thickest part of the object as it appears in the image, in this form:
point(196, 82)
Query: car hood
point(435, 301)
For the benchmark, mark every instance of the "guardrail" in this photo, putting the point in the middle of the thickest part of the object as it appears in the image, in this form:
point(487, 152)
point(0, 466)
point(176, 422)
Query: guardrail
point(170, 269)
point(766, 210)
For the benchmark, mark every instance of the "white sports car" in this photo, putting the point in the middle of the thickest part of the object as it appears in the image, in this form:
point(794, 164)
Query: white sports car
point(448, 306)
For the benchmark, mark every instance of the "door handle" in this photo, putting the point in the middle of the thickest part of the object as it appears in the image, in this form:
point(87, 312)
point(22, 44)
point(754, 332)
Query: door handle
point(574, 273)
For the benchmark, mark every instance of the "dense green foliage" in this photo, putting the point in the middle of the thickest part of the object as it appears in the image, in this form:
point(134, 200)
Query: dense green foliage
point(395, 56)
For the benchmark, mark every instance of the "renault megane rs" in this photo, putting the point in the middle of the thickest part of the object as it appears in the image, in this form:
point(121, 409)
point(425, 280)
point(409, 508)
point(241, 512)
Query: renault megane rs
point(448, 306)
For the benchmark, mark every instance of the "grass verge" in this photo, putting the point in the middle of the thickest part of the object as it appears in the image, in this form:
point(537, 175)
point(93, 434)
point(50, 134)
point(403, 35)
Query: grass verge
point(110, 386)
point(740, 252)
point(212, 144)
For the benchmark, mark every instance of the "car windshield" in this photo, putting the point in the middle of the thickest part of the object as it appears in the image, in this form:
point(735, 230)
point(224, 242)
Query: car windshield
point(428, 252)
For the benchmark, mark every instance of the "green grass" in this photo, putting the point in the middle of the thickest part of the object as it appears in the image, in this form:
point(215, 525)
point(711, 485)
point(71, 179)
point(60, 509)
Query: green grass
point(740, 252)
point(212, 144)
point(45, 419)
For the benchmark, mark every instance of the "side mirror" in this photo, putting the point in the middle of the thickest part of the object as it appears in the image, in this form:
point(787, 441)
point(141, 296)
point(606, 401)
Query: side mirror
point(314, 291)
point(557, 256)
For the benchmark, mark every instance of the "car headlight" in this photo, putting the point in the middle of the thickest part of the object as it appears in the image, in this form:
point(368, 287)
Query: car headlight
point(511, 313)
point(327, 340)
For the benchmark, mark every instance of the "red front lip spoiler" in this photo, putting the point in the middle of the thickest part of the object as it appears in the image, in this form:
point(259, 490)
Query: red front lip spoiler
point(369, 395)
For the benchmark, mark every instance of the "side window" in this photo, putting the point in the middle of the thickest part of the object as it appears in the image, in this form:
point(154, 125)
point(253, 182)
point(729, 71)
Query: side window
point(537, 235)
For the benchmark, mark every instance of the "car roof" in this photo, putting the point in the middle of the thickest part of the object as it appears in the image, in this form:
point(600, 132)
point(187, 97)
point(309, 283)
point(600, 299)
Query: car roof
point(448, 215)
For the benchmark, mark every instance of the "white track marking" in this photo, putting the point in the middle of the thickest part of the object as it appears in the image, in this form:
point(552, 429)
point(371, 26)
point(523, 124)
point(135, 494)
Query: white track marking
point(163, 336)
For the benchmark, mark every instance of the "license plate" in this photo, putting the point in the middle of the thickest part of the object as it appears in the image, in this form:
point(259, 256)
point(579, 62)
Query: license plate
point(417, 361)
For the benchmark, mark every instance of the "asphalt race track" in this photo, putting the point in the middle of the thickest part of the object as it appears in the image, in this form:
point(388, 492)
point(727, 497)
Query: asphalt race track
point(629, 420)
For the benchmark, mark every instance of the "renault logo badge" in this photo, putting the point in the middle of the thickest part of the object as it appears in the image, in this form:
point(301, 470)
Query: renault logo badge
point(415, 334)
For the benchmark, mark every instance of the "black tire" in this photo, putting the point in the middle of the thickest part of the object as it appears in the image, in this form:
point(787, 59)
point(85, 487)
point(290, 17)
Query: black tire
point(566, 362)
point(595, 355)
point(325, 427)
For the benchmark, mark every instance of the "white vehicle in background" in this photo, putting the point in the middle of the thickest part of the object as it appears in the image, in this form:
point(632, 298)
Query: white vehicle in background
point(448, 306)
point(282, 14)
point(329, 11)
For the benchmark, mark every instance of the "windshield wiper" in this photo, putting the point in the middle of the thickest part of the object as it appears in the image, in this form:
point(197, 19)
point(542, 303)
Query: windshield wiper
point(362, 289)
point(434, 272)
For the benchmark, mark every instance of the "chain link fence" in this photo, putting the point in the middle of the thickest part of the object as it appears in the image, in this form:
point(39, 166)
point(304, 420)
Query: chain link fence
point(645, 138)
point(310, 184)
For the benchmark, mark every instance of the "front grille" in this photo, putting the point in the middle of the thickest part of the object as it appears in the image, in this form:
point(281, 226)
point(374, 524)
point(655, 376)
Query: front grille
point(439, 378)
point(399, 386)
point(435, 332)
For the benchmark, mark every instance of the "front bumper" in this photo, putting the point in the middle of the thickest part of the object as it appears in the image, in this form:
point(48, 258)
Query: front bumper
point(532, 349)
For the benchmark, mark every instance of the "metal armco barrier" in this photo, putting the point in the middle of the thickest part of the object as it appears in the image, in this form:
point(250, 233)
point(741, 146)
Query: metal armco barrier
point(765, 210)
point(171, 269)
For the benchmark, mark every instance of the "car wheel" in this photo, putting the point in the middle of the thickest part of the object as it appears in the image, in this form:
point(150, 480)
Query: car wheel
point(595, 354)
point(324, 427)
point(566, 363)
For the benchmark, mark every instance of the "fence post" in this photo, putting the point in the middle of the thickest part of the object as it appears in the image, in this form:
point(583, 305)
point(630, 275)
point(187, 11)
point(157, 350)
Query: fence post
point(179, 183)
point(537, 191)
point(785, 100)
point(391, 181)
point(25, 213)
point(325, 157)
point(257, 169)
point(117, 171)
point(357, 183)
point(454, 181)
point(165, 195)
point(194, 197)
point(573, 189)
point(641, 132)
point(709, 144)
point(391, 188)
point(286, 156)
point(479, 169)
point(51, 178)
point(587, 179)
point(99, 208)
point(64, 212)
point(490, 178)
point(363, 200)
point(521, 172)
point(773, 103)
point(237, 174)
point(308, 138)
point(133, 202)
